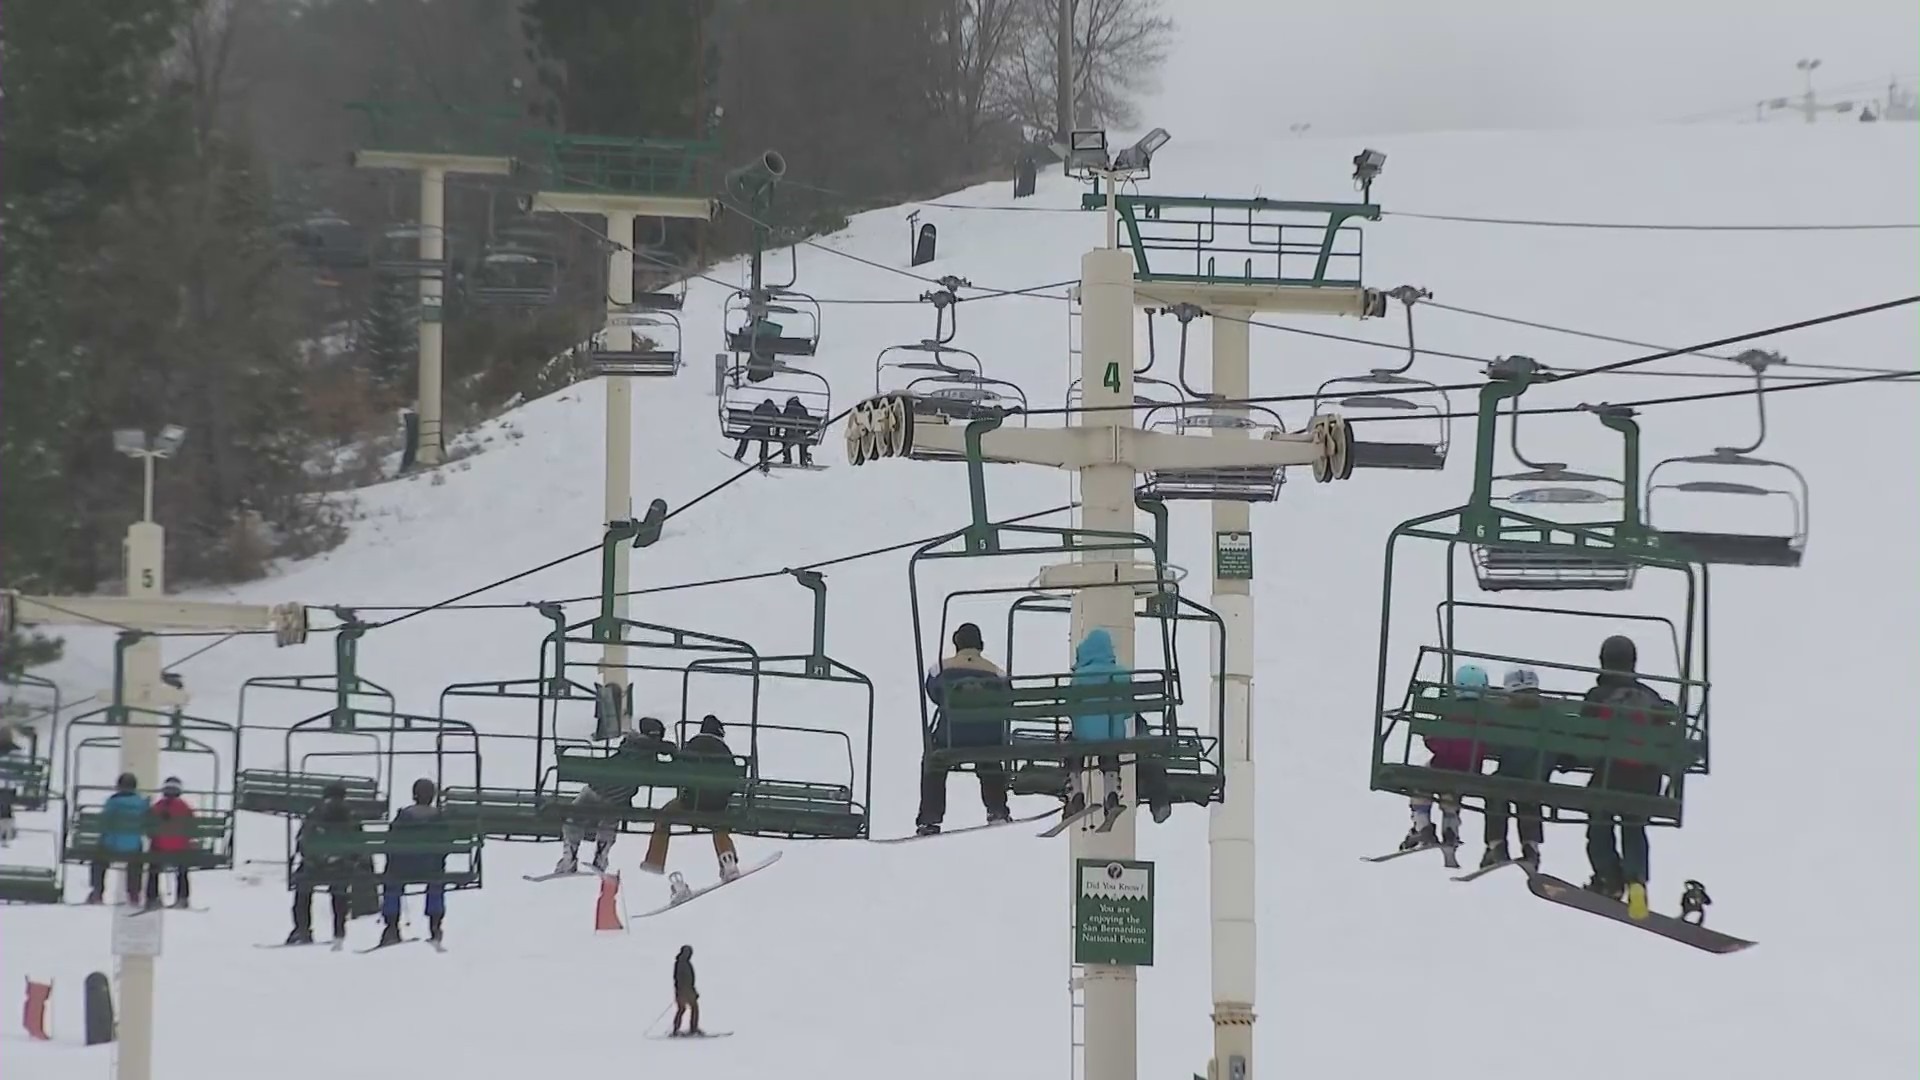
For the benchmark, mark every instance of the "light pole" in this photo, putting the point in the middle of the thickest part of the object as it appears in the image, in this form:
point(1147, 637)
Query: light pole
point(133, 443)
point(1086, 158)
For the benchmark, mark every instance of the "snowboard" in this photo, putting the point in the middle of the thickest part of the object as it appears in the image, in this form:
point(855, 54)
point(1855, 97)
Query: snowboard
point(1547, 887)
point(1028, 820)
point(703, 890)
point(702, 1035)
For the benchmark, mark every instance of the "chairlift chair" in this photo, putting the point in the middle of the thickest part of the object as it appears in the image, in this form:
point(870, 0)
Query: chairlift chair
point(1228, 483)
point(1552, 484)
point(961, 398)
point(660, 328)
point(784, 322)
point(784, 384)
point(899, 366)
point(396, 252)
point(329, 241)
point(514, 276)
point(1422, 443)
point(1783, 546)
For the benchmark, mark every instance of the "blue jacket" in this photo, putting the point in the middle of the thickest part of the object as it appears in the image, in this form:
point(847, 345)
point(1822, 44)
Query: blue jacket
point(123, 822)
point(1093, 664)
point(963, 667)
point(408, 820)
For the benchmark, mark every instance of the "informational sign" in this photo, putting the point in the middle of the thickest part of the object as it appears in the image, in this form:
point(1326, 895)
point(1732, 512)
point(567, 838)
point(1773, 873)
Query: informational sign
point(1113, 912)
point(1233, 556)
point(136, 932)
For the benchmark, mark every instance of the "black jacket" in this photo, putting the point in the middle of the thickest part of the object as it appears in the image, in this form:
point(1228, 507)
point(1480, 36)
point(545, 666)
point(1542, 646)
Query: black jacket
point(683, 974)
point(638, 747)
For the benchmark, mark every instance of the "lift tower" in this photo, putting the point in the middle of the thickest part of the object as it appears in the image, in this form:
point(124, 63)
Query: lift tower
point(1164, 251)
point(621, 179)
point(434, 141)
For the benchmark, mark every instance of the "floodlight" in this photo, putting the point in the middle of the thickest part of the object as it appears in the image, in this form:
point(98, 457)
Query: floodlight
point(1139, 156)
point(130, 441)
point(169, 439)
point(1086, 149)
point(1366, 169)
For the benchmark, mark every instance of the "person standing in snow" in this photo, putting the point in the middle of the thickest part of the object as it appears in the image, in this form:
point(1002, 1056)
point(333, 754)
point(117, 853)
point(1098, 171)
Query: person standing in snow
point(967, 666)
point(1454, 755)
point(686, 999)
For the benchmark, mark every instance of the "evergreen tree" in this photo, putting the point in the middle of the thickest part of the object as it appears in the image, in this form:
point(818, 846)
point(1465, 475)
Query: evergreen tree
point(388, 339)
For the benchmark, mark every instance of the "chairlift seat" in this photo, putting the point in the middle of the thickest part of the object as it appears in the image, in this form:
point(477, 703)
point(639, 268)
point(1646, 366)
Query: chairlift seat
point(449, 839)
point(1738, 550)
point(746, 341)
point(29, 885)
point(503, 813)
point(653, 363)
point(1227, 483)
point(291, 794)
point(26, 777)
point(1032, 718)
point(1187, 772)
point(657, 301)
point(1549, 567)
point(1397, 455)
point(208, 832)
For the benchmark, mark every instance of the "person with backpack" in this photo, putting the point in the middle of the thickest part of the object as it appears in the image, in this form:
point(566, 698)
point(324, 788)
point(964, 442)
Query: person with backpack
point(1517, 763)
point(1619, 696)
point(123, 838)
point(968, 666)
point(171, 825)
point(1454, 755)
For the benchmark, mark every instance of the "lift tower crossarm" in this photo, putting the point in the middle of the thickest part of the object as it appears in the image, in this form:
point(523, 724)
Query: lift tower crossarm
point(288, 622)
point(1083, 447)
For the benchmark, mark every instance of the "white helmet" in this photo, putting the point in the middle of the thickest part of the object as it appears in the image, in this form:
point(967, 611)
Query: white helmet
point(1521, 678)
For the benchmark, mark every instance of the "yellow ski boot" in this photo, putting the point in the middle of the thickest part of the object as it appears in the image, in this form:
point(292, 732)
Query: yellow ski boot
point(1636, 900)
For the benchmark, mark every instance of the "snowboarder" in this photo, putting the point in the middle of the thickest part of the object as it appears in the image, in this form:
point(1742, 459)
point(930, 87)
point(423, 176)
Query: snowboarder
point(710, 743)
point(123, 835)
point(967, 665)
point(763, 427)
point(402, 869)
point(1517, 763)
point(1454, 755)
point(595, 809)
point(172, 828)
point(686, 999)
point(1619, 694)
point(334, 872)
point(797, 432)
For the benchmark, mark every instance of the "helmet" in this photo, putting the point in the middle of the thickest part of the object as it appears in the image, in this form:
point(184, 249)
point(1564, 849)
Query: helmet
point(424, 790)
point(127, 782)
point(711, 725)
point(1470, 679)
point(1521, 678)
point(171, 786)
point(650, 727)
point(335, 791)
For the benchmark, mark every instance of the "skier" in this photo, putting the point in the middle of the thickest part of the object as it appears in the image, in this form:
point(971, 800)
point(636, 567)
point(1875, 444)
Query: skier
point(763, 427)
point(401, 869)
point(686, 999)
point(1619, 694)
point(595, 808)
point(1094, 664)
point(966, 666)
point(123, 834)
point(335, 872)
point(1517, 763)
point(710, 743)
point(1454, 755)
point(795, 434)
point(172, 827)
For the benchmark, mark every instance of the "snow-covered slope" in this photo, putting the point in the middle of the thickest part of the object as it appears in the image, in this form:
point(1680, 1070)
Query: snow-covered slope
point(949, 959)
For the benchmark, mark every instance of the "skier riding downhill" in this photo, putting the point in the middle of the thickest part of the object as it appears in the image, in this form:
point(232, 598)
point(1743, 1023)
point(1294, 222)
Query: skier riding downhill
point(1455, 755)
point(1517, 763)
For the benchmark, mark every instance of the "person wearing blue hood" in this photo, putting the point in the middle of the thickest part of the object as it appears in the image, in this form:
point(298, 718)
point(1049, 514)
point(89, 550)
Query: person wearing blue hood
point(1094, 663)
point(123, 836)
point(968, 664)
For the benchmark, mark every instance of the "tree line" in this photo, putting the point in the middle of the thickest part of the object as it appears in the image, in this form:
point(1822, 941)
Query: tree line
point(158, 154)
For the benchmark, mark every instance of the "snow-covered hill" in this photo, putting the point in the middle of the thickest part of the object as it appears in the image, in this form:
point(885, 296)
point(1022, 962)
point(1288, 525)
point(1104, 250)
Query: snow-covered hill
point(949, 959)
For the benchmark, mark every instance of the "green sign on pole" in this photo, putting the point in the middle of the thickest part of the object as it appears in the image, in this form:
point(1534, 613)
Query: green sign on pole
point(1113, 912)
point(1233, 556)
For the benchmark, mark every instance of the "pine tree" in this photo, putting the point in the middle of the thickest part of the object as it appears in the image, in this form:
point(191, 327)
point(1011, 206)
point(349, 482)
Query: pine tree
point(388, 337)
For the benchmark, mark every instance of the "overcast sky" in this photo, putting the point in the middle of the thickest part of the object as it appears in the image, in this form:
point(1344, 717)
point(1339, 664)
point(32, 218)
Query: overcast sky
point(1415, 65)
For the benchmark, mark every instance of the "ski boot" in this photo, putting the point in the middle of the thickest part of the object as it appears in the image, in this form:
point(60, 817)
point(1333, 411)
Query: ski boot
point(655, 869)
point(599, 858)
point(153, 903)
point(999, 817)
point(1637, 900)
point(1420, 836)
point(729, 866)
point(678, 891)
point(96, 897)
point(390, 935)
point(926, 829)
point(1450, 836)
point(300, 937)
point(1606, 887)
point(1111, 806)
point(436, 929)
point(180, 903)
point(569, 863)
point(1529, 859)
point(1075, 806)
point(8, 831)
point(1161, 812)
point(1495, 854)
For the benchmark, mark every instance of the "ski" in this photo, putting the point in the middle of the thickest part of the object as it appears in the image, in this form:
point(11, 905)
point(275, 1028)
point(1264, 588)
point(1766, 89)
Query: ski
point(555, 876)
point(169, 907)
point(1028, 820)
point(1566, 894)
point(1390, 856)
point(1475, 875)
point(771, 467)
point(286, 944)
point(701, 1035)
point(389, 945)
point(1068, 822)
point(705, 889)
